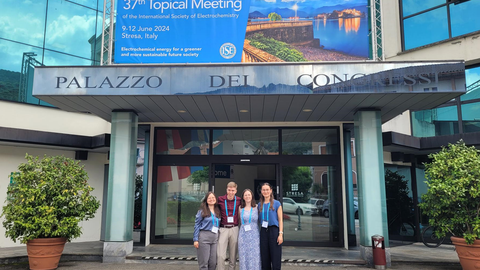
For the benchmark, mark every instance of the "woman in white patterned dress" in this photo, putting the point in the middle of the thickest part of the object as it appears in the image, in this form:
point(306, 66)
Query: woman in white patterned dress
point(249, 235)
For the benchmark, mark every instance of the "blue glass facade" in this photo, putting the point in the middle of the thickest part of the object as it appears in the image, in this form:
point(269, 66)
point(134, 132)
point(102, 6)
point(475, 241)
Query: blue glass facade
point(461, 115)
point(44, 32)
point(431, 21)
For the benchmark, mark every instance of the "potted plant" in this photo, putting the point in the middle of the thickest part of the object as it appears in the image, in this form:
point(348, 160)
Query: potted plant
point(46, 200)
point(452, 201)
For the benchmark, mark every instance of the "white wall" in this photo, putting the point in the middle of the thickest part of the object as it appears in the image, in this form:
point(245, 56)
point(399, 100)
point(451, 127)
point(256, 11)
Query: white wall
point(465, 48)
point(12, 156)
point(41, 118)
point(399, 124)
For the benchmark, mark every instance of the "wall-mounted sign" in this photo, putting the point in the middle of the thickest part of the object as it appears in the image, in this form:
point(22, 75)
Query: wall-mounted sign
point(218, 31)
point(311, 78)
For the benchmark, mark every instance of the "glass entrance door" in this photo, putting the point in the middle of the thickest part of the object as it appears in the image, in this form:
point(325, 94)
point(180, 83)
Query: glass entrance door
point(245, 176)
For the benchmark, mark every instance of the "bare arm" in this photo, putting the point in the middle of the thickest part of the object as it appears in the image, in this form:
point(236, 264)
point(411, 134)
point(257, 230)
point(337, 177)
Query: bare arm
point(280, 225)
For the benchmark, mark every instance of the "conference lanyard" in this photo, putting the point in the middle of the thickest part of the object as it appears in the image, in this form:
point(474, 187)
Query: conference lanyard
point(268, 206)
point(215, 228)
point(213, 220)
point(250, 219)
point(234, 206)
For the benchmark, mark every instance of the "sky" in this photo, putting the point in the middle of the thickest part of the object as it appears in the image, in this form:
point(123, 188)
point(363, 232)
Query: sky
point(68, 29)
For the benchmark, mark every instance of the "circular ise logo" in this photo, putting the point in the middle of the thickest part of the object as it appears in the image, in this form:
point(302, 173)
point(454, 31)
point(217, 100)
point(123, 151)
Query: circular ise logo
point(228, 50)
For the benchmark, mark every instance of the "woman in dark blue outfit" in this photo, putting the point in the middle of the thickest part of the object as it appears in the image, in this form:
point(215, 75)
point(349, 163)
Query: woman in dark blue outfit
point(271, 232)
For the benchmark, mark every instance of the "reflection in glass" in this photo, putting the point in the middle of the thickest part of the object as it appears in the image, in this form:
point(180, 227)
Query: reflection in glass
point(435, 122)
point(180, 190)
point(182, 142)
point(464, 18)
point(309, 205)
point(14, 85)
point(23, 21)
point(426, 28)
point(413, 6)
point(471, 117)
point(398, 191)
point(472, 77)
point(310, 142)
point(70, 32)
point(245, 142)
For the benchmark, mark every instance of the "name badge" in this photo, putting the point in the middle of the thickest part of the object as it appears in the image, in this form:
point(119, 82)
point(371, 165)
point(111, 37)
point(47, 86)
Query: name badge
point(215, 229)
point(247, 227)
point(230, 219)
point(265, 224)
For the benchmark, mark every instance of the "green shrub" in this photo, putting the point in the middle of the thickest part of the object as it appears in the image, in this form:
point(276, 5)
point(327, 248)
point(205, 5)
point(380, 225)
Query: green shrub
point(452, 201)
point(48, 198)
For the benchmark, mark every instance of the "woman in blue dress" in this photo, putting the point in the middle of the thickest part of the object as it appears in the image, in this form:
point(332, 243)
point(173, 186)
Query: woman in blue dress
point(205, 232)
point(249, 235)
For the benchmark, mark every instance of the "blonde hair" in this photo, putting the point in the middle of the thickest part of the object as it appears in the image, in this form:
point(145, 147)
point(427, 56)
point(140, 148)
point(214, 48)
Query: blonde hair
point(232, 184)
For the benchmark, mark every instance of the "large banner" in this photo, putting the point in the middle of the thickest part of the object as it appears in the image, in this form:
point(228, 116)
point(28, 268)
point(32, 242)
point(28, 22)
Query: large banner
point(219, 31)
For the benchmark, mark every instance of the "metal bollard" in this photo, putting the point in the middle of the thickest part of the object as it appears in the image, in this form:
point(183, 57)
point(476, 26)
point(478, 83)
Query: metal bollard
point(378, 250)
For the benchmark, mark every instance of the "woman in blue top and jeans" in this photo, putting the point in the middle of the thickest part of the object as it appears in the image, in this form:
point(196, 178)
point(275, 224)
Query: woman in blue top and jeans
point(205, 233)
point(271, 232)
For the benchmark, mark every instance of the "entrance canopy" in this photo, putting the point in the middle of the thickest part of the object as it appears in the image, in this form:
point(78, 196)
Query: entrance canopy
point(251, 92)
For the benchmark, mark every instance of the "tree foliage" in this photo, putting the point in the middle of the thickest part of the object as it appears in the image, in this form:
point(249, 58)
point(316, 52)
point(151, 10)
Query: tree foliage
point(48, 197)
point(298, 175)
point(452, 201)
point(274, 17)
point(200, 176)
point(277, 48)
point(399, 203)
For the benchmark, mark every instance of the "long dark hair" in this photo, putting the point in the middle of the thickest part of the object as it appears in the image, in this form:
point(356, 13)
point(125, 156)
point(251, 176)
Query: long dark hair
point(242, 202)
point(204, 206)
point(262, 199)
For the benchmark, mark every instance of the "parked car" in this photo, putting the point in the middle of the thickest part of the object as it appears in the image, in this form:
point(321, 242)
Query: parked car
point(326, 208)
point(291, 206)
point(317, 204)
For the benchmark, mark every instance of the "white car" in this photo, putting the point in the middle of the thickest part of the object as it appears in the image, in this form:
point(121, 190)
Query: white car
point(292, 207)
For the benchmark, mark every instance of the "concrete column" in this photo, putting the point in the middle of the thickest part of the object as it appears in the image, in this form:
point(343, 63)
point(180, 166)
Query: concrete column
point(347, 137)
point(121, 187)
point(371, 181)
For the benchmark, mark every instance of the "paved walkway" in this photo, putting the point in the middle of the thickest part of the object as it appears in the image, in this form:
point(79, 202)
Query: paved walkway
point(401, 253)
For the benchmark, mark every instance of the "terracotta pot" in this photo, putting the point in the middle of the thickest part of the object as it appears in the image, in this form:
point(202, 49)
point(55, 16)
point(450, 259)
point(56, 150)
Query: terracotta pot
point(469, 255)
point(45, 253)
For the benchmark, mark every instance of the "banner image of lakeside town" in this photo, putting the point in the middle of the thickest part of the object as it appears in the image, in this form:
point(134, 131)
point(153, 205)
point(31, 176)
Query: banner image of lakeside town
point(312, 30)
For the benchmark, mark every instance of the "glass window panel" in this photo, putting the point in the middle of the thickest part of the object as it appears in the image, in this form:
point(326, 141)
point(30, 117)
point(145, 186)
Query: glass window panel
point(471, 117)
point(182, 142)
point(472, 77)
point(11, 55)
point(310, 142)
point(464, 17)
point(422, 188)
point(89, 3)
point(180, 190)
point(310, 206)
point(398, 191)
point(414, 6)
point(435, 122)
point(426, 28)
point(69, 28)
point(61, 59)
point(245, 142)
point(23, 21)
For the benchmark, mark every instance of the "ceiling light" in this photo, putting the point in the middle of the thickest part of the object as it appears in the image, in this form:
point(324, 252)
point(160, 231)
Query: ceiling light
point(181, 111)
point(243, 111)
point(306, 110)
